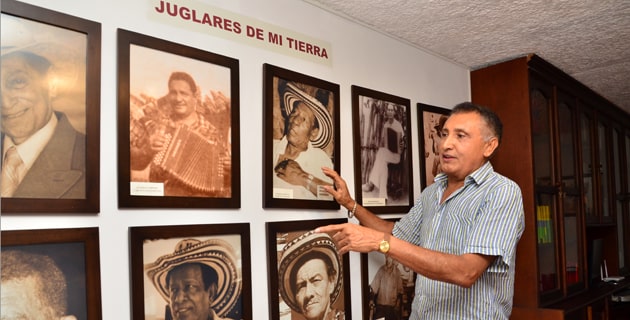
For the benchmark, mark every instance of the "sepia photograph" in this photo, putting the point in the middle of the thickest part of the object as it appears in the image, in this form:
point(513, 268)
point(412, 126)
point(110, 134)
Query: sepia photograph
point(191, 272)
point(57, 269)
point(388, 287)
point(311, 280)
point(51, 66)
point(382, 151)
point(182, 114)
point(432, 119)
point(301, 132)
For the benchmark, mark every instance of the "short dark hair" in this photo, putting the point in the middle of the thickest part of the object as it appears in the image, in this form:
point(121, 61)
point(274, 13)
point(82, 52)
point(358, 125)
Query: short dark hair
point(183, 76)
point(490, 117)
point(311, 255)
point(17, 264)
point(208, 274)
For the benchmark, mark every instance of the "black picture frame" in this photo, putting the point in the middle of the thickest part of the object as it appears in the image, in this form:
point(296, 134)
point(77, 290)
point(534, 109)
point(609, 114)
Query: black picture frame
point(323, 99)
point(370, 264)
point(75, 252)
point(373, 148)
point(209, 179)
point(149, 243)
point(279, 234)
point(430, 120)
point(73, 46)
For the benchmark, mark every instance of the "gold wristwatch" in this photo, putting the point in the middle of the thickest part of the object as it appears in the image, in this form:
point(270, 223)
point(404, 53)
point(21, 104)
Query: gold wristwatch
point(383, 247)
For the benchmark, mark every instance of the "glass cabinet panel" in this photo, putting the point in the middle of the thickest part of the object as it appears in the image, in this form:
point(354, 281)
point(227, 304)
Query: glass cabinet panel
point(567, 147)
point(617, 138)
point(545, 224)
point(541, 135)
point(574, 266)
point(587, 166)
point(603, 172)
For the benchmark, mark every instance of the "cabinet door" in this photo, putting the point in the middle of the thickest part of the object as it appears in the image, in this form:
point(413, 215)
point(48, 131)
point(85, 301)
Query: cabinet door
point(570, 195)
point(541, 107)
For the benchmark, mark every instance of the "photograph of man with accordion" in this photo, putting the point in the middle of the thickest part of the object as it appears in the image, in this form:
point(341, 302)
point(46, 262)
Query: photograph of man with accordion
point(179, 140)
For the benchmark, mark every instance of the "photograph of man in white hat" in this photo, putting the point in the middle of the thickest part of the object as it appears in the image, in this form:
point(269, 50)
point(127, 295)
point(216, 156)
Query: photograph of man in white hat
point(199, 280)
point(43, 110)
point(303, 141)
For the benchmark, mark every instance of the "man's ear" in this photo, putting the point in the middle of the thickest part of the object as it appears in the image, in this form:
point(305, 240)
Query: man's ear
point(212, 291)
point(53, 83)
point(491, 146)
point(314, 133)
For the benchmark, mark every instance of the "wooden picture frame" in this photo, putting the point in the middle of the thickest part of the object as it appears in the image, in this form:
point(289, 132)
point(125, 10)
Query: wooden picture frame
point(287, 242)
point(155, 250)
point(73, 252)
point(293, 179)
point(64, 176)
point(370, 265)
point(187, 156)
point(382, 151)
point(432, 119)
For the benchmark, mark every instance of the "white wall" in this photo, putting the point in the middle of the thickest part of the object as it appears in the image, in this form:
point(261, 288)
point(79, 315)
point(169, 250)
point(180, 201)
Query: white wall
point(360, 57)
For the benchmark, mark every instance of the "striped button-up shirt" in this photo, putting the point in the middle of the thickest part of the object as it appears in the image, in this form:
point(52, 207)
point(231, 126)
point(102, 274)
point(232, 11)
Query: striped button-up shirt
point(485, 216)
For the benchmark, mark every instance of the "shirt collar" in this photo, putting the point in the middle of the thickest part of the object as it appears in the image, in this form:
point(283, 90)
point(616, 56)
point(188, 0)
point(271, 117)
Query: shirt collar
point(478, 176)
point(30, 149)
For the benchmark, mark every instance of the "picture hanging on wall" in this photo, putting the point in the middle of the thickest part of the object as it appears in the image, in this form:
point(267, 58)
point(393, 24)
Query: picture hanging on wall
point(301, 135)
point(59, 265)
point(432, 119)
point(51, 154)
point(301, 262)
point(383, 277)
point(212, 261)
point(382, 151)
point(178, 125)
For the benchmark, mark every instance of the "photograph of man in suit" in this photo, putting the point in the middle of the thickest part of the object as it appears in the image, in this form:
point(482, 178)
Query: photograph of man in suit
point(43, 155)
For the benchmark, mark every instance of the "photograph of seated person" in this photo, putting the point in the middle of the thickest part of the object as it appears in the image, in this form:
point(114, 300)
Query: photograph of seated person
point(309, 277)
point(300, 151)
point(43, 154)
point(33, 287)
point(156, 122)
point(199, 280)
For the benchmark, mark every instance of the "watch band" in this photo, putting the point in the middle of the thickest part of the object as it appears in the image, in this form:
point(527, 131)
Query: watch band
point(353, 211)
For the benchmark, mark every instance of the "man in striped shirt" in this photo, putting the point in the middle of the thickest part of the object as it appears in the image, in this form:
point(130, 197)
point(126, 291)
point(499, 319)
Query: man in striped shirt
point(460, 237)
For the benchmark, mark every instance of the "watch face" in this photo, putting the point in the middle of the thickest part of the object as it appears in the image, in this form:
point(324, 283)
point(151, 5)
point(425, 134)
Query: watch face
point(384, 246)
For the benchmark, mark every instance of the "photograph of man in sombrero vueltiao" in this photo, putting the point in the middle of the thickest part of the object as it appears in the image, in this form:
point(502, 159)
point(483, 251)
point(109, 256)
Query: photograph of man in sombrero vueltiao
point(303, 140)
point(310, 278)
point(43, 111)
point(199, 280)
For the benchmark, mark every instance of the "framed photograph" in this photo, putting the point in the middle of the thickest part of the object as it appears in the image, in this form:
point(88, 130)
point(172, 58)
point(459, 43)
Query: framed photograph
point(432, 119)
point(178, 125)
point(307, 276)
point(59, 265)
point(388, 287)
point(382, 151)
point(301, 135)
point(212, 262)
point(56, 58)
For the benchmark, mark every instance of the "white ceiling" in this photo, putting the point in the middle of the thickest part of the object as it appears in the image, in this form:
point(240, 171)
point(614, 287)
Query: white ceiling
point(589, 40)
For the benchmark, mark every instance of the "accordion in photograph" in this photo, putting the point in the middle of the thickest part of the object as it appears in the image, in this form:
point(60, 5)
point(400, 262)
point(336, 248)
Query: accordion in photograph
point(193, 160)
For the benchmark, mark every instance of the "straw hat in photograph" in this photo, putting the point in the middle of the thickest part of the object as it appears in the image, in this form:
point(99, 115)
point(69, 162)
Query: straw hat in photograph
point(292, 95)
point(293, 251)
point(214, 253)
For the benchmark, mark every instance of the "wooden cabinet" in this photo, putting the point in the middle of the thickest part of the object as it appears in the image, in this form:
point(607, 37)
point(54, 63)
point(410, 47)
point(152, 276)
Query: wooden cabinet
point(567, 149)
